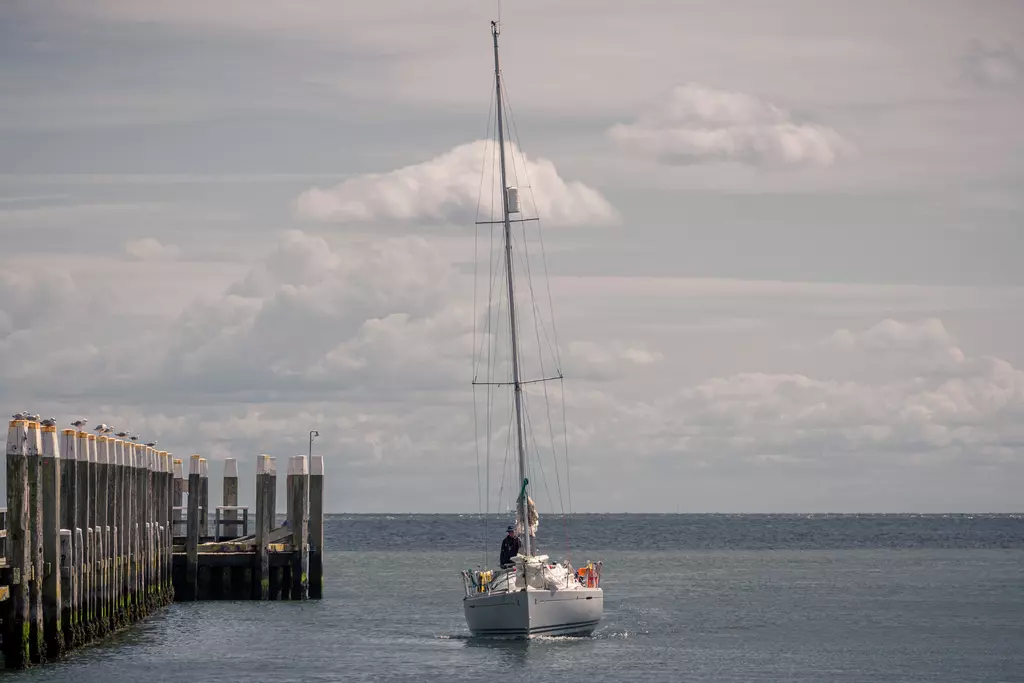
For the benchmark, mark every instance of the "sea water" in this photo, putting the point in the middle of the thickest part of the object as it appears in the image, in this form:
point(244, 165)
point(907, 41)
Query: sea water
point(869, 598)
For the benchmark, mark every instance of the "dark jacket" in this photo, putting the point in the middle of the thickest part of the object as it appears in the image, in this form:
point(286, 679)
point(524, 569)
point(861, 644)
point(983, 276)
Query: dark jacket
point(509, 549)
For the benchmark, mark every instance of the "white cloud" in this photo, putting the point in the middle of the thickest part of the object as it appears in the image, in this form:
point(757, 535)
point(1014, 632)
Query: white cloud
point(968, 412)
point(698, 124)
point(151, 249)
point(926, 336)
point(447, 189)
point(344, 321)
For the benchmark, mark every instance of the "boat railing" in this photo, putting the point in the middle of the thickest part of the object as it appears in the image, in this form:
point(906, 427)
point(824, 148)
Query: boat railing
point(481, 581)
point(590, 574)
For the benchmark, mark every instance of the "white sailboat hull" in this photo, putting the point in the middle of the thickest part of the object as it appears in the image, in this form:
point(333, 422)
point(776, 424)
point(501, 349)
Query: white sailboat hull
point(526, 613)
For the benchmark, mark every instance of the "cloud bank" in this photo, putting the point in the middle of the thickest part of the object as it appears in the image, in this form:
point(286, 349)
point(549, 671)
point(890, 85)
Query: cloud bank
point(697, 124)
point(446, 190)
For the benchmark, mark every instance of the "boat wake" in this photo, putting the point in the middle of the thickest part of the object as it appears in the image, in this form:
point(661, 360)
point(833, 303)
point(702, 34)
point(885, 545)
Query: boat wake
point(599, 635)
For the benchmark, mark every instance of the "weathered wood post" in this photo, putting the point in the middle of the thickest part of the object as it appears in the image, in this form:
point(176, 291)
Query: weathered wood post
point(316, 527)
point(66, 574)
point(117, 612)
point(134, 503)
point(266, 496)
point(108, 534)
point(69, 521)
point(298, 520)
point(95, 556)
point(204, 499)
point(192, 534)
point(37, 644)
point(162, 522)
point(159, 470)
point(180, 486)
point(79, 563)
point(168, 531)
point(142, 496)
point(151, 510)
point(53, 633)
point(96, 507)
point(112, 539)
point(125, 522)
point(230, 498)
point(16, 625)
point(83, 520)
point(127, 540)
point(103, 531)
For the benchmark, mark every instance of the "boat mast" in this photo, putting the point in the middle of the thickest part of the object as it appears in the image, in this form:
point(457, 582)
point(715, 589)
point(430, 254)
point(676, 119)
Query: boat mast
point(511, 302)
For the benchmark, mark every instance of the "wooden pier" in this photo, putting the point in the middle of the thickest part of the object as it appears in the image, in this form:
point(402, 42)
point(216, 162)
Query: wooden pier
point(248, 557)
point(91, 544)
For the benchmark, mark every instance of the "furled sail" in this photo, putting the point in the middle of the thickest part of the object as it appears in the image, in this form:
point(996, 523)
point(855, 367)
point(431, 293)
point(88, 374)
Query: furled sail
point(532, 517)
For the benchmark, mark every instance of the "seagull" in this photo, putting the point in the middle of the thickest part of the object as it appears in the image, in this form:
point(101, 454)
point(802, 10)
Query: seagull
point(32, 418)
point(101, 428)
point(134, 437)
point(108, 430)
point(49, 422)
point(151, 444)
point(20, 416)
point(121, 434)
point(79, 423)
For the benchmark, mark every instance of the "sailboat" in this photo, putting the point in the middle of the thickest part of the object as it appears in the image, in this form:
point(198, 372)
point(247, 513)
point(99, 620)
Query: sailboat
point(532, 594)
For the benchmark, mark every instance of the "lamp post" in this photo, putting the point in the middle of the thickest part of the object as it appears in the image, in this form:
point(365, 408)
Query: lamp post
point(312, 434)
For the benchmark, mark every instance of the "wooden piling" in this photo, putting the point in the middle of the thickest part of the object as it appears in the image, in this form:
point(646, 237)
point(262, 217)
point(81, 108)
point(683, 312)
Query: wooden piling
point(180, 486)
point(230, 530)
point(110, 531)
point(204, 498)
point(83, 521)
point(131, 458)
point(116, 466)
point(66, 577)
point(79, 560)
point(139, 527)
point(298, 521)
point(192, 534)
point(316, 527)
point(16, 625)
point(266, 496)
point(169, 531)
point(124, 534)
point(69, 522)
point(37, 647)
point(98, 505)
point(53, 633)
point(100, 534)
point(151, 540)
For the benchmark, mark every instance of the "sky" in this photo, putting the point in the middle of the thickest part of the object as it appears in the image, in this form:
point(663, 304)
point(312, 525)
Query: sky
point(783, 241)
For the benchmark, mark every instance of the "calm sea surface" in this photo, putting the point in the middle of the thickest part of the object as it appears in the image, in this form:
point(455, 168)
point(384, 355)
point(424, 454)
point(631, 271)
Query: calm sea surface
point(687, 598)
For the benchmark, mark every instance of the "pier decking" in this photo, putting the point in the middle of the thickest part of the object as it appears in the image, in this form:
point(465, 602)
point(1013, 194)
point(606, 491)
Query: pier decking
point(90, 538)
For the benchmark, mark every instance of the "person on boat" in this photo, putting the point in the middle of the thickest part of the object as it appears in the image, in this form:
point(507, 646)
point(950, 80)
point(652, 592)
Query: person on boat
point(509, 547)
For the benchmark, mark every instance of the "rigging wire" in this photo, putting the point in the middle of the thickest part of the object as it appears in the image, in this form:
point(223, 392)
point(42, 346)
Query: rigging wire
point(554, 330)
point(537, 330)
point(476, 361)
point(524, 256)
point(552, 344)
point(494, 327)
